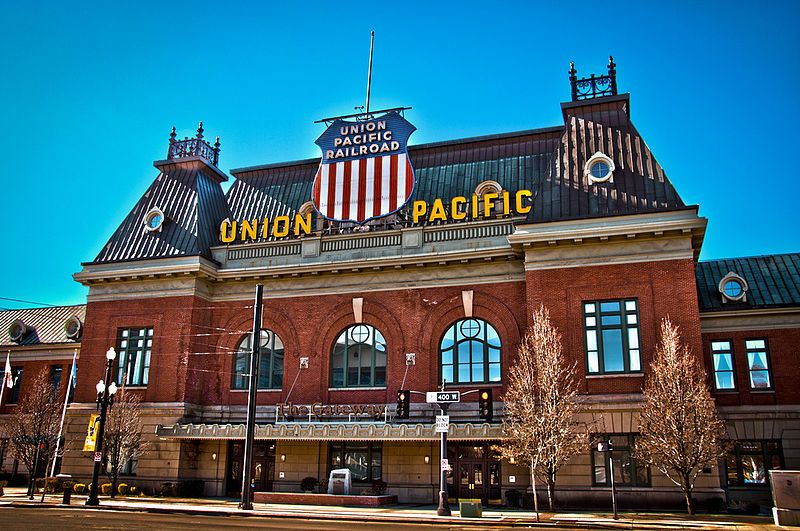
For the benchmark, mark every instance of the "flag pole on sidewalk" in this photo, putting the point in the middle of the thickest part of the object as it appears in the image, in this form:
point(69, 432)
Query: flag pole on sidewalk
point(64, 411)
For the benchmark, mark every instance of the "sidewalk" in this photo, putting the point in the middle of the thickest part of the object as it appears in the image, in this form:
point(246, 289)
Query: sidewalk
point(401, 513)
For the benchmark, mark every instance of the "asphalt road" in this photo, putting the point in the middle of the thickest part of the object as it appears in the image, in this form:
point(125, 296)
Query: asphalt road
point(13, 518)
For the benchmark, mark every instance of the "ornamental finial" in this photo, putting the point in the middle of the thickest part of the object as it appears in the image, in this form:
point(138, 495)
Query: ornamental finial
point(200, 130)
point(572, 70)
point(172, 135)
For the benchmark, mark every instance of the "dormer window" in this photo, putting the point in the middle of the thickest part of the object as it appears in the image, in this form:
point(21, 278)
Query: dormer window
point(153, 220)
point(599, 168)
point(733, 288)
point(489, 187)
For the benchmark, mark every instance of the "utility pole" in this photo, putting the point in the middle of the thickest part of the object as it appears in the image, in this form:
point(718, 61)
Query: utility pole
point(246, 502)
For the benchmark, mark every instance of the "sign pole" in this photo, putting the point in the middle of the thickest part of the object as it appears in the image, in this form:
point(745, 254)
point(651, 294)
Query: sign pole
point(246, 502)
point(444, 503)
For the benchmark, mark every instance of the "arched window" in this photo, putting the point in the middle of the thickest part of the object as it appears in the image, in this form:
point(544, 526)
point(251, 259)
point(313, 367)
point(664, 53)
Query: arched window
point(470, 352)
point(359, 358)
point(270, 371)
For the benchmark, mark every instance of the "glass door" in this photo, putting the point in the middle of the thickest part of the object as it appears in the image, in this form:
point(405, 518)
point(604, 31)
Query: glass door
point(471, 480)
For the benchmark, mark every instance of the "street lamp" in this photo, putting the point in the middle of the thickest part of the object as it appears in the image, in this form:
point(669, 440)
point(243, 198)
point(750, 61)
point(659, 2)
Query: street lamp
point(105, 398)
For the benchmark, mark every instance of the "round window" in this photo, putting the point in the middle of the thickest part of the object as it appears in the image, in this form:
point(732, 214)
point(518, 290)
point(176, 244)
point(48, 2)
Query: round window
point(733, 289)
point(359, 334)
point(600, 170)
point(154, 219)
point(470, 327)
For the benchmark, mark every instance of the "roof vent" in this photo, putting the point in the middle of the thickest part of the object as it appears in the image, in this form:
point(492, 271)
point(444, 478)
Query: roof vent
point(17, 330)
point(73, 328)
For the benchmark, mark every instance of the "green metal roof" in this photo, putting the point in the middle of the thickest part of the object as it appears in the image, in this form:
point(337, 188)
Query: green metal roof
point(772, 281)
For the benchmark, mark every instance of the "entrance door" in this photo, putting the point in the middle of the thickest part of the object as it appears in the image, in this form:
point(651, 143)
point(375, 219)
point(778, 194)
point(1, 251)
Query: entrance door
point(471, 480)
point(262, 471)
point(474, 473)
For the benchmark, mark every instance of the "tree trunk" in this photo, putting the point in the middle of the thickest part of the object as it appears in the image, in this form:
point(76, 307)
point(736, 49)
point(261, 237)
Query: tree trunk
point(687, 495)
point(535, 495)
point(551, 491)
point(114, 480)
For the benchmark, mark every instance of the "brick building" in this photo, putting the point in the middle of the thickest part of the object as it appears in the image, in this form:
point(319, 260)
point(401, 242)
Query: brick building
point(35, 340)
point(355, 311)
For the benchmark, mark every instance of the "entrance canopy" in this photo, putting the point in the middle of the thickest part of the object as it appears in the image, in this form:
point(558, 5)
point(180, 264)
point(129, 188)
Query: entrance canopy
point(332, 431)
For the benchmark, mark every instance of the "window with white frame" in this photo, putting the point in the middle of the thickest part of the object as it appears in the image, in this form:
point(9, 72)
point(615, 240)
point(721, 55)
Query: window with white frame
point(722, 361)
point(758, 364)
point(612, 336)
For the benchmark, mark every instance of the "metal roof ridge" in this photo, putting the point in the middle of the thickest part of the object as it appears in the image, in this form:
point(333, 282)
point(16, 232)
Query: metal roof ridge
point(415, 147)
point(751, 257)
point(44, 307)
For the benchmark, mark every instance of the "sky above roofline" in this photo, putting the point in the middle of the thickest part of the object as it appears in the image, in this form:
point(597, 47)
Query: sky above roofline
point(91, 91)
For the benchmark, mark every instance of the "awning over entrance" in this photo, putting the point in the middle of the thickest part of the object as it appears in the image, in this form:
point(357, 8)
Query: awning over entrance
point(333, 431)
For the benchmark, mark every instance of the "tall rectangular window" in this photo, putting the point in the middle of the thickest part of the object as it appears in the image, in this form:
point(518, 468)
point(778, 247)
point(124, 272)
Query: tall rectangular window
point(134, 346)
point(55, 378)
point(722, 359)
point(748, 462)
point(627, 471)
point(758, 363)
point(612, 336)
point(16, 378)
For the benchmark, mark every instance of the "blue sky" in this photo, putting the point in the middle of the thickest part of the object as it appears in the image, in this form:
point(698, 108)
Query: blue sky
point(89, 92)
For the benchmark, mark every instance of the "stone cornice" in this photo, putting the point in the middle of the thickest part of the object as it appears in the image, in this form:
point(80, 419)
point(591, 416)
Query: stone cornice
point(332, 431)
point(685, 223)
point(752, 319)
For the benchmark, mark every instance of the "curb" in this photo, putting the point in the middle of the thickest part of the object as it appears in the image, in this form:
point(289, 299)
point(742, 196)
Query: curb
point(411, 520)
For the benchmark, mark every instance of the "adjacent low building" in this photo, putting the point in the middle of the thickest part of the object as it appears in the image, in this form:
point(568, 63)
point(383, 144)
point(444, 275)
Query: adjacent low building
point(397, 270)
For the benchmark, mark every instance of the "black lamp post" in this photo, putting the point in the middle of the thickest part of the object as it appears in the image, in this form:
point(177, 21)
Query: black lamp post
point(607, 446)
point(105, 398)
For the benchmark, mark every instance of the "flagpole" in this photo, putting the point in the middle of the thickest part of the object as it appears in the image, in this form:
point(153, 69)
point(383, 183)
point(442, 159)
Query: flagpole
point(6, 376)
point(64, 412)
point(369, 72)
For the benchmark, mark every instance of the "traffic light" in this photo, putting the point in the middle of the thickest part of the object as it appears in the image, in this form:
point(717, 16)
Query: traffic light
point(485, 409)
point(403, 403)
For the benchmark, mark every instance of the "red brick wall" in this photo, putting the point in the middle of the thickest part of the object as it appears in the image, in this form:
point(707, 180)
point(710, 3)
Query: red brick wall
point(31, 369)
point(194, 340)
point(173, 320)
point(662, 288)
point(783, 356)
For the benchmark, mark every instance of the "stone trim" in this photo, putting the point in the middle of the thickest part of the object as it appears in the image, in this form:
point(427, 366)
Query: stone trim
point(331, 432)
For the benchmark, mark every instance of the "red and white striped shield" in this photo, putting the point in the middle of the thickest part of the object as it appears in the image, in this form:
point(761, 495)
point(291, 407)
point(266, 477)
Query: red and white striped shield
point(365, 172)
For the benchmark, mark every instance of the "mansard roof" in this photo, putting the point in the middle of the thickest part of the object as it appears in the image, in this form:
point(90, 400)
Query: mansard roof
point(773, 281)
point(44, 325)
point(188, 192)
point(549, 162)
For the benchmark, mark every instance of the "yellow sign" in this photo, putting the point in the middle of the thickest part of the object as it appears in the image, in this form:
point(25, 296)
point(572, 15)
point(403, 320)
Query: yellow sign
point(460, 208)
point(91, 435)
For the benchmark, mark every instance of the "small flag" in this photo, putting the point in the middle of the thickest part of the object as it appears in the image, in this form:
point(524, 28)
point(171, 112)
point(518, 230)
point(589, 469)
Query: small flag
point(8, 379)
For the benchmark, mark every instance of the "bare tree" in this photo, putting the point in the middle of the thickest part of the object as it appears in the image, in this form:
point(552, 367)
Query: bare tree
point(122, 440)
point(680, 432)
point(33, 428)
point(541, 405)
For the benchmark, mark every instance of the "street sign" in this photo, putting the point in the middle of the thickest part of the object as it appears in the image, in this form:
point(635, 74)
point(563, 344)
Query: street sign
point(445, 465)
point(442, 397)
point(442, 423)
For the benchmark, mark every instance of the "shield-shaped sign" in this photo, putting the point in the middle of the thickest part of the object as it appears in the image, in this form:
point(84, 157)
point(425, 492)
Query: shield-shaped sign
point(365, 172)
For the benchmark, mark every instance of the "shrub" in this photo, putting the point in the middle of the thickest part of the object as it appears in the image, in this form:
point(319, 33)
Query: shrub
point(513, 497)
point(378, 487)
point(79, 488)
point(167, 489)
point(3, 483)
point(122, 489)
point(308, 484)
point(53, 485)
point(106, 488)
point(134, 490)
